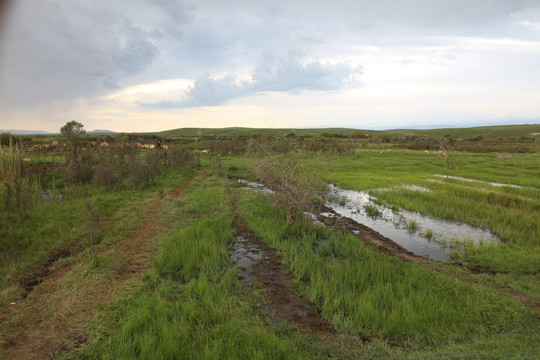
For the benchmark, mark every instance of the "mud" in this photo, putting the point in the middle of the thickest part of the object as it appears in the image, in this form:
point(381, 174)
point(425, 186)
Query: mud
point(39, 169)
point(258, 264)
point(44, 270)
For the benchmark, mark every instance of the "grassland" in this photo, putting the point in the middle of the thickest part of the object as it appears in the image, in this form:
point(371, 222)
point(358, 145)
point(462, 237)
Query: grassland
point(161, 283)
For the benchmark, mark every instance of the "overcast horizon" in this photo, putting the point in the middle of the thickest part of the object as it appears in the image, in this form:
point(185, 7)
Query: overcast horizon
point(153, 65)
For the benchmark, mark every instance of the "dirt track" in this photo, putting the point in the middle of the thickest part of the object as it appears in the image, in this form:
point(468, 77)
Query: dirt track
point(49, 320)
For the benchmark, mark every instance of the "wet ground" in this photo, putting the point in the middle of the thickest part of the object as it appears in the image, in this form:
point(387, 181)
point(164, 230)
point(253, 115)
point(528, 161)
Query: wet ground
point(389, 230)
point(395, 225)
point(260, 267)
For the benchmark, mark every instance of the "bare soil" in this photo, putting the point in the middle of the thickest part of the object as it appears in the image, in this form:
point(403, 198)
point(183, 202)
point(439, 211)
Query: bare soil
point(50, 316)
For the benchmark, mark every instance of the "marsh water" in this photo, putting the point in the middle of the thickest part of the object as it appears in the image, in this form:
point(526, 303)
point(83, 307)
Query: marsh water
point(395, 225)
point(444, 235)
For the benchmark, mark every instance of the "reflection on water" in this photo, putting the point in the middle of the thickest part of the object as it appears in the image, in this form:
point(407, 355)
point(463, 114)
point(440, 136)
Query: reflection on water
point(395, 225)
point(496, 184)
point(52, 196)
point(245, 255)
point(256, 186)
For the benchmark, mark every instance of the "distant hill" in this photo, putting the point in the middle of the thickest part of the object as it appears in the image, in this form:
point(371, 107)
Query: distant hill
point(100, 132)
point(42, 132)
point(499, 131)
point(26, 132)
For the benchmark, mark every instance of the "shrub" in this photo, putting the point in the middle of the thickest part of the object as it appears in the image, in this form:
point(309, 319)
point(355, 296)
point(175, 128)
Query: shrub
point(297, 186)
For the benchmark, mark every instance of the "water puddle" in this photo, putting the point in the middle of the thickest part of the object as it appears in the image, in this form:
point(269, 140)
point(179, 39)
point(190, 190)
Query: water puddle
point(257, 263)
point(49, 196)
point(422, 235)
point(245, 255)
point(496, 184)
point(256, 186)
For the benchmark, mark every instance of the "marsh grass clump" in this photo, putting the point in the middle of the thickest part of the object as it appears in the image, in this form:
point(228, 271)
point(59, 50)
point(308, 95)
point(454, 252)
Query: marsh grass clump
point(366, 293)
point(372, 210)
point(429, 234)
point(412, 226)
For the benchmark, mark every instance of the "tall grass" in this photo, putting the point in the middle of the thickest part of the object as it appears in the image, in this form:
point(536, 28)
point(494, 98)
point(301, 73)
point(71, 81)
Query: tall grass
point(366, 293)
point(18, 191)
point(191, 306)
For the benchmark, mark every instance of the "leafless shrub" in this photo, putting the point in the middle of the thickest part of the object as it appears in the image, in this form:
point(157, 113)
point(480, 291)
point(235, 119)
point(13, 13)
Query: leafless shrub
point(181, 157)
point(145, 171)
point(298, 185)
point(447, 151)
point(217, 166)
point(80, 168)
point(108, 175)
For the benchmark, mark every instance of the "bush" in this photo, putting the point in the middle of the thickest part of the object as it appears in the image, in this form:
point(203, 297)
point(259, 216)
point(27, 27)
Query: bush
point(145, 171)
point(297, 186)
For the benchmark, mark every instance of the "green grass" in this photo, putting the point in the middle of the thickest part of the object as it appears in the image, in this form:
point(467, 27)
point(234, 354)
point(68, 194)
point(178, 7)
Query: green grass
point(369, 294)
point(49, 227)
point(191, 305)
point(508, 212)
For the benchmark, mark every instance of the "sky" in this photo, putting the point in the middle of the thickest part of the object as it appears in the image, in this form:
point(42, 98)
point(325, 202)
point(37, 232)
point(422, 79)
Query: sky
point(153, 65)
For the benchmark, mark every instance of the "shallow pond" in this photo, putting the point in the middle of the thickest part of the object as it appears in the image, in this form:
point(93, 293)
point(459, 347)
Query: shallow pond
point(396, 225)
point(360, 207)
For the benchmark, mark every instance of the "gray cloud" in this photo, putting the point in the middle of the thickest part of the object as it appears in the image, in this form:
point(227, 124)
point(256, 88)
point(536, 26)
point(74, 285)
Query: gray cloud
point(276, 74)
point(58, 50)
point(68, 50)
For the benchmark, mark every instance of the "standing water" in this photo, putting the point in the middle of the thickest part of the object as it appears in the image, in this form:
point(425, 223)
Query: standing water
point(408, 229)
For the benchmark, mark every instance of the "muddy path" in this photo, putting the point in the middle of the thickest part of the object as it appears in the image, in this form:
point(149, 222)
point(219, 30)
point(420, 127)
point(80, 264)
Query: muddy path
point(260, 266)
point(48, 319)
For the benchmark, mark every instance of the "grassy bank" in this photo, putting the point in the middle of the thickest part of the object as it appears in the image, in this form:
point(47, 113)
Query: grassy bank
point(366, 293)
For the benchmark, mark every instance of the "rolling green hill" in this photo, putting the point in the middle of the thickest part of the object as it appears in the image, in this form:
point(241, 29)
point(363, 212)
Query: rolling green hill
point(502, 131)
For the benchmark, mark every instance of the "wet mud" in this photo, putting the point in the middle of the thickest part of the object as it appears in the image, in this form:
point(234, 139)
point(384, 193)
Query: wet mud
point(260, 267)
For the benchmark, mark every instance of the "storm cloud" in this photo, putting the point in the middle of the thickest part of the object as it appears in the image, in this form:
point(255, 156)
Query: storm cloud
point(63, 58)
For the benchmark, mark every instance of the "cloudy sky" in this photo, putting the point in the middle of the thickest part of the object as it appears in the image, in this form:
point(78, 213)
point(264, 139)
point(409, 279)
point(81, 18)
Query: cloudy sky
point(151, 65)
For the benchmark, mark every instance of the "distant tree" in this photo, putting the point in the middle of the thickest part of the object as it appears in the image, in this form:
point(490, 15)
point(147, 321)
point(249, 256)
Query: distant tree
point(71, 134)
point(72, 129)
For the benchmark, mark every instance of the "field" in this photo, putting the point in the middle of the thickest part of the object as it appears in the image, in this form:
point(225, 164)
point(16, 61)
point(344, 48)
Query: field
point(120, 252)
